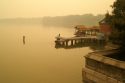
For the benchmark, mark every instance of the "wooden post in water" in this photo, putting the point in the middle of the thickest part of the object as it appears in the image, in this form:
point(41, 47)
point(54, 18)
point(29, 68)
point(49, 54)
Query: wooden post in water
point(24, 40)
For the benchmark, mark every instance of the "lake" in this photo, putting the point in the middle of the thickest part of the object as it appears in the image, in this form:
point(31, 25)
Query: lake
point(38, 61)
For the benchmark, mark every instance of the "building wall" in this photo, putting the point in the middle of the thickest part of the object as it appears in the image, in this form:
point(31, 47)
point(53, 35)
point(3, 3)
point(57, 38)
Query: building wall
point(105, 28)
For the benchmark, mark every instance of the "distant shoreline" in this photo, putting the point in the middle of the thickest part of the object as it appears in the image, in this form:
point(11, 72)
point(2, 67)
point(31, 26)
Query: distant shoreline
point(66, 21)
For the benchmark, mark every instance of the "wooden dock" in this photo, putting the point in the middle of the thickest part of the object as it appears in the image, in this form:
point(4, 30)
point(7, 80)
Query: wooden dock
point(74, 40)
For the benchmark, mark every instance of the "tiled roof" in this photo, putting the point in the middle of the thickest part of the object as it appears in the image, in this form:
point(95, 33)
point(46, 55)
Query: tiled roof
point(82, 27)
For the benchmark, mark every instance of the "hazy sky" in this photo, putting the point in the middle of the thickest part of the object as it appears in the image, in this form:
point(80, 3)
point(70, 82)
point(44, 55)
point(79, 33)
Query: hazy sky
point(40, 8)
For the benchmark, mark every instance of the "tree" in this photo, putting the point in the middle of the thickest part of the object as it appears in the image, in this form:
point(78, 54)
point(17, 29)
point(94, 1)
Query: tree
point(117, 22)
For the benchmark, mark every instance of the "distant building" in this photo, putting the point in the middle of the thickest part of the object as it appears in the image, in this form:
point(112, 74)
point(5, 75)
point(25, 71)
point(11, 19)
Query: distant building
point(81, 30)
point(105, 27)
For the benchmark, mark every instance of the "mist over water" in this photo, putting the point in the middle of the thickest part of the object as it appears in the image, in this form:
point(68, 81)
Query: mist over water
point(38, 61)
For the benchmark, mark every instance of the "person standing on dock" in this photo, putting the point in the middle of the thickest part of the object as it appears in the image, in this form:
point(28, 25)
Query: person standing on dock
point(59, 34)
point(58, 37)
point(24, 40)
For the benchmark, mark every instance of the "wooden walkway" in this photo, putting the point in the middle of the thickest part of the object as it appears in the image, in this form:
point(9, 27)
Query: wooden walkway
point(74, 40)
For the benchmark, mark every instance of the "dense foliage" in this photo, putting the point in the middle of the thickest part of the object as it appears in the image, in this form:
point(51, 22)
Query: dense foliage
point(117, 22)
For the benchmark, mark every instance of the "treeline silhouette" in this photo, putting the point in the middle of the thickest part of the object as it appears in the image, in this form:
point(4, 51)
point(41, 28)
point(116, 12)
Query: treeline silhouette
point(58, 21)
point(72, 20)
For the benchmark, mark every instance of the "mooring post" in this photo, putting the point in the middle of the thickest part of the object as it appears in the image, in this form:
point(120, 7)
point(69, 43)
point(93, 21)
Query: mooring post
point(23, 39)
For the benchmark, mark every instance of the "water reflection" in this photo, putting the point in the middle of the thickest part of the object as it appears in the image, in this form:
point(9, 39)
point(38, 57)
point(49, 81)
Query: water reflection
point(38, 61)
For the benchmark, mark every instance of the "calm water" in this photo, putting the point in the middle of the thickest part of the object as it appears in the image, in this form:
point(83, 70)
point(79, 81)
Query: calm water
point(38, 61)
